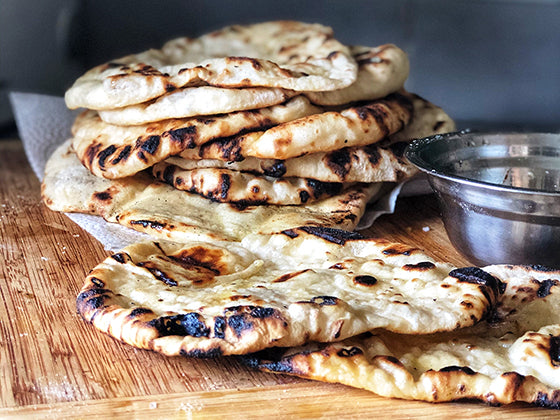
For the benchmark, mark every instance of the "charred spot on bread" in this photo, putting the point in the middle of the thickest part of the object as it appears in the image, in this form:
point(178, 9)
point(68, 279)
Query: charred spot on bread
point(151, 144)
point(337, 236)
point(189, 324)
point(349, 352)
point(339, 161)
point(365, 280)
point(123, 155)
point(92, 299)
point(103, 155)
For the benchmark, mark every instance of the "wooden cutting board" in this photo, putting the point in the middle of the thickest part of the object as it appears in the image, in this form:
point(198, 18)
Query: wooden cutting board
point(54, 365)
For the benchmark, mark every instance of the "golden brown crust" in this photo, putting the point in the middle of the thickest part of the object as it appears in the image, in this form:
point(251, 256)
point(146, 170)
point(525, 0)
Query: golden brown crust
point(221, 297)
point(282, 54)
point(143, 204)
point(512, 356)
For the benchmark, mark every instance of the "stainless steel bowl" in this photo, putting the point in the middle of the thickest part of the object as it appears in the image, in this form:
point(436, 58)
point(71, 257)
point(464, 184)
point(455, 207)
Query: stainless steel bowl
point(499, 193)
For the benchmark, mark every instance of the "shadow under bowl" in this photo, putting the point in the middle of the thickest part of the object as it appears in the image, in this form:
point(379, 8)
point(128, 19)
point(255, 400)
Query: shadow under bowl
point(499, 193)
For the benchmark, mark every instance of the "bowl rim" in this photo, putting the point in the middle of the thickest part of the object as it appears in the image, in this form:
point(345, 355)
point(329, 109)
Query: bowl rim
point(412, 153)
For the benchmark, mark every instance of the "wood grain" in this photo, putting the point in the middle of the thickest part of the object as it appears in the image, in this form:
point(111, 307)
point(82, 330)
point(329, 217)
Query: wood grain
point(54, 365)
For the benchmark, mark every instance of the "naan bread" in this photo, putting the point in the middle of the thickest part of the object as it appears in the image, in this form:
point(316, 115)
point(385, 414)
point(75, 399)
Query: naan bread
point(244, 188)
point(289, 130)
point(382, 70)
point(196, 101)
point(373, 163)
point(428, 120)
point(282, 54)
point(143, 204)
point(513, 355)
point(358, 125)
point(379, 162)
point(113, 151)
point(221, 298)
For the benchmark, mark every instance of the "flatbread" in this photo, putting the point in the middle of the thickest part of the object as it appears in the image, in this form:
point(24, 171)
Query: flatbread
point(379, 162)
point(143, 204)
point(244, 188)
point(282, 54)
point(196, 101)
point(373, 163)
point(221, 298)
point(113, 151)
point(428, 120)
point(381, 70)
point(511, 356)
point(358, 125)
point(290, 130)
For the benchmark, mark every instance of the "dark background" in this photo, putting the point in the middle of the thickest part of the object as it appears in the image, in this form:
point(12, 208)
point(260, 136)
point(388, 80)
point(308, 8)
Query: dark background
point(488, 63)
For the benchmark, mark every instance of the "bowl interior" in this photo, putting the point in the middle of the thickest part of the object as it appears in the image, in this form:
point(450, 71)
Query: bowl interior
point(521, 161)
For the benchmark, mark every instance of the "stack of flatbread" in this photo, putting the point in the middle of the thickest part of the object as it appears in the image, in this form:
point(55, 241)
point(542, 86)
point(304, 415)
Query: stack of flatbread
point(250, 154)
point(248, 129)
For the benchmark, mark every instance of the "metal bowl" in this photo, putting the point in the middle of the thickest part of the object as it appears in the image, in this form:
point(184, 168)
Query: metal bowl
point(499, 193)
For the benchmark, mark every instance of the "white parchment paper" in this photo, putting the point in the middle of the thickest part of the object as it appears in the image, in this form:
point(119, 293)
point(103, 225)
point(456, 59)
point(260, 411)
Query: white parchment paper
point(44, 122)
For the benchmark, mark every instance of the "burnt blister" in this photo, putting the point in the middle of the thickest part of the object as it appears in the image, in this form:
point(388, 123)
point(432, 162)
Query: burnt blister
point(98, 282)
point(490, 286)
point(325, 300)
point(463, 369)
point(280, 366)
point(91, 153)
point(365, 280)
point(139, 311)
point(103, 155)
point(148, 223)
point(276, 170)
point(229, 148)
point(92, 299)
point(542, 268)
point(337, 236)
point(351, 352)
point(373, 154)
point(160, 275)
point(123, 155)
point(478, 276)
point(546, 401)
point(545, 286)
point(271, 360)
point(202, 354)
point(121, 257)
point(168, 175)
point(320, 188)
point(421, 266)
point(239, 323)
point(554, 350)
point(220, 327)
point(339, 162)
point(183, 135)
point(103, 196)
point(189, 324)
point(288, 276)
point(290, 233)
point(391, 359)
point(262, 312)
point(304, 196)
point(225, 185)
